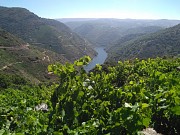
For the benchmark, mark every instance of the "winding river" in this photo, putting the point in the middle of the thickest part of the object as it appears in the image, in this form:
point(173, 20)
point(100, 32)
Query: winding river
point(99, 59)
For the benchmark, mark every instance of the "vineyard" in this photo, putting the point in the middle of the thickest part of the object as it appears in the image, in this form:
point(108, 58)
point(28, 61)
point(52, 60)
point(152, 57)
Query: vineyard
point(117, 100)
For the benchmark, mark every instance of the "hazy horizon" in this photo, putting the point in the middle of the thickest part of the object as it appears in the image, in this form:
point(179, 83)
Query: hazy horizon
point(114, 9)
point(115, 18)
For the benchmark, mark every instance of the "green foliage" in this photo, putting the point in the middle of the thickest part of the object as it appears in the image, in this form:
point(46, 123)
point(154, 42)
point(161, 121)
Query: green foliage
point(124, 99)
point(17, 113)
point(7, 81)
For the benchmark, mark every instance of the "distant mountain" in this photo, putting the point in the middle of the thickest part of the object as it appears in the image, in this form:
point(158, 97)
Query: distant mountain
point(44, 33)
point(20, 58)
point(162, 43)
point(64, 20)
point(122, 40)
point(106, 31)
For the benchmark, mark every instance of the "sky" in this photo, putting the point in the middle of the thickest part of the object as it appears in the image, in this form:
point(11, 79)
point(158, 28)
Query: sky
point(134, 9)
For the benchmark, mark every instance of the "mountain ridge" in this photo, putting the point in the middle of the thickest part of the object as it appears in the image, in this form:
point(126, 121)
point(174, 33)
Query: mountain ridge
point(45, 33)
point(163, 43)
point(103, 32)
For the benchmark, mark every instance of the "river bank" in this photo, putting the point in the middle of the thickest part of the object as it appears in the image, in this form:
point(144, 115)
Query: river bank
point(99, 59)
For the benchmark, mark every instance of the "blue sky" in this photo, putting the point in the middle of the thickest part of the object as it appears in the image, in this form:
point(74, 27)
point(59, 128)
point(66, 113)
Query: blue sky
point(135, 9)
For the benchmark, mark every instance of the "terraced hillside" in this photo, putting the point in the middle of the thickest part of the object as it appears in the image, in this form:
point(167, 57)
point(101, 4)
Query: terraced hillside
point(45, 33)
point(21, 58)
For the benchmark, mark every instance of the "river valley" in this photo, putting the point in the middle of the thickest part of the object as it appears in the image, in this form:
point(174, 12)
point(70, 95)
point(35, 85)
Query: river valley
point(99, 59)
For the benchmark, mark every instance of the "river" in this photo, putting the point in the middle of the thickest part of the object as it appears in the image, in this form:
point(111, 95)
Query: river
point(99, 59)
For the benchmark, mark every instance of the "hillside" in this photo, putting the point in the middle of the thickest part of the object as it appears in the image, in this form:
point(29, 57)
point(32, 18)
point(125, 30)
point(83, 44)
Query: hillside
point(126, 99)
point(44, 33)
point(106, 31)
point(162, 43)
point(124, 39)
point(20, 58)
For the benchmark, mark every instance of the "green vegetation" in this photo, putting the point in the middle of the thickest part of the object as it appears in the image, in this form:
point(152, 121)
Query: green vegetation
point(106, 32)
point(44, 33)
point(22, 59)
point(123, 99)
point(17, 112)
point(159, 44)
point(8, 40)
point(9, 81)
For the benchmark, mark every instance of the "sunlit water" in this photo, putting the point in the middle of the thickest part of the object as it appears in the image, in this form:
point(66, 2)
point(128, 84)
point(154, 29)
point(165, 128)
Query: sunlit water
point(99, 59)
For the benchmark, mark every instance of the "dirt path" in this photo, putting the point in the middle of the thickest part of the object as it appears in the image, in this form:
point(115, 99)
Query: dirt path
point(21, 47)
point(9, 65)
